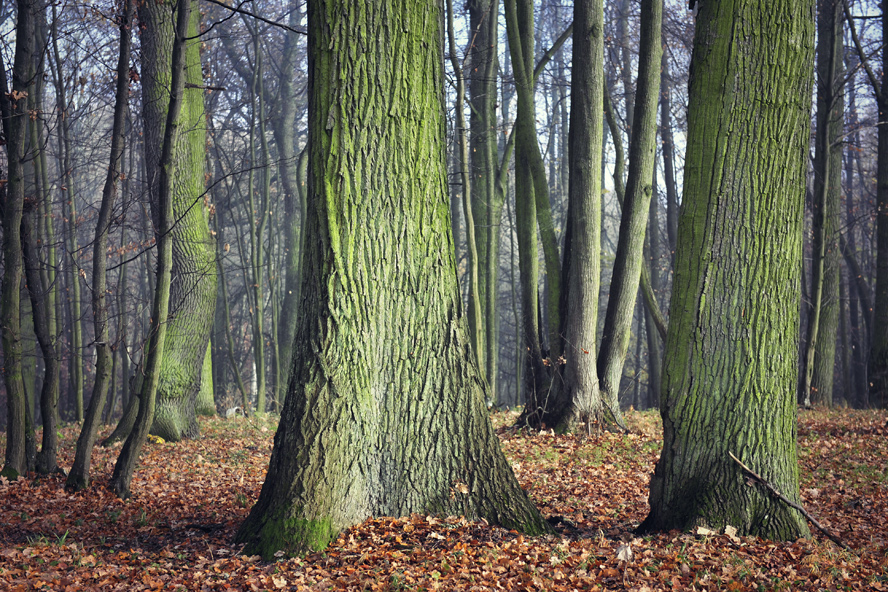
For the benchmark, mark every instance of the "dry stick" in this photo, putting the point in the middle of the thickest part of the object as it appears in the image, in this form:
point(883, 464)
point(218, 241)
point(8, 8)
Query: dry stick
point(759, 479)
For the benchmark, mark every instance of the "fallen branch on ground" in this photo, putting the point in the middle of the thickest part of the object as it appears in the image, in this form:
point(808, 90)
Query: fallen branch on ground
point(759, 479)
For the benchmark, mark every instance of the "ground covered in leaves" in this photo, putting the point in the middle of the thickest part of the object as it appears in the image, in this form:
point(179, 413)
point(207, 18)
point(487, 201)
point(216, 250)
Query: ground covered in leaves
point(189, 498)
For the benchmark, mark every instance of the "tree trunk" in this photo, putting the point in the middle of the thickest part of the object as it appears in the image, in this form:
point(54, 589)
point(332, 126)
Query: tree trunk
point(476, 324)
point(193, 289)
point(633, 222)
point(581, 402)
point(168, 165)
point(668, 155)
point(827, 202)
point(487, 202)
point(283, 127)
point(878, 360)
point(531, 191)
point(14, 109)
point(385, 413)
point(729, 375)
point(75, 364)
point(78, 478)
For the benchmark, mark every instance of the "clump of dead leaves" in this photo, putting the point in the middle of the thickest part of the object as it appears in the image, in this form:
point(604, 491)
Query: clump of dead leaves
point(189, 498)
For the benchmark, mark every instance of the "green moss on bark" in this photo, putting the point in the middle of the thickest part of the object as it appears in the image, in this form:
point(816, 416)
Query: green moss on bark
point(730, 368)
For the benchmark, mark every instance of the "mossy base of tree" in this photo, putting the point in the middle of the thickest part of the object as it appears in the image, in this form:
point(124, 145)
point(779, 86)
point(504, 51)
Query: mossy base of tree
point(290, 534)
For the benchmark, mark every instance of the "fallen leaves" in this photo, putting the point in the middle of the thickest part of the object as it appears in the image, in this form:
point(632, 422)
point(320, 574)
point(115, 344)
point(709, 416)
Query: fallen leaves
point(189, 498)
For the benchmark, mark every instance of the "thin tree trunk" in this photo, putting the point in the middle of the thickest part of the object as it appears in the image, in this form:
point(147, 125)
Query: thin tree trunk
point(476, 326)
point(75, 364)
point(581, 403)
point(14, 110)
point(78, 478)
point(122, 476)
point(823, 316)
point(630, 245)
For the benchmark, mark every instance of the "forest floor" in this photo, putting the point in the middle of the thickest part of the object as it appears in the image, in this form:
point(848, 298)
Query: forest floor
point(175, 533)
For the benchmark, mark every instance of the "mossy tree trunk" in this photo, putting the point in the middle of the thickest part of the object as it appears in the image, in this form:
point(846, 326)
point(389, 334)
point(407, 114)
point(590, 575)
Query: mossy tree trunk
point(729, 376)
point(193, 288)
point(14, 107)
point(385, 413)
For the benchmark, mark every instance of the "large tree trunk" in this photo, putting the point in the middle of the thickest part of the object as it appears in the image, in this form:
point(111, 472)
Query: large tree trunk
point(729, 376)
point(15, 125)
point(582, 402)
point(385, 413)
point(193, 290)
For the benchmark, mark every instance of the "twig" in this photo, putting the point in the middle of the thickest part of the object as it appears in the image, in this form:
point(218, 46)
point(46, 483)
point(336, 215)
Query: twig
point(759, 479)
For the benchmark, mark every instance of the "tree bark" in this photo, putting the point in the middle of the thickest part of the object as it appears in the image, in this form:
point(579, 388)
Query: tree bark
point(633, 222)
point(193, 289)
point(78, 478)
point(168, 165)
point(386, 412)
point(581, 402)
point(878, 360)
point(14, 107)
point(729, 376)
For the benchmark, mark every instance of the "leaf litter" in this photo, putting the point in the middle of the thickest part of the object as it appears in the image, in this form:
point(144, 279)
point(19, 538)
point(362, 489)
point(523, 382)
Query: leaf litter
point(189, 498)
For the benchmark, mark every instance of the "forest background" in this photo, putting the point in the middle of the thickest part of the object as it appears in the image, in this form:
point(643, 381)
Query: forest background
point(254, 98)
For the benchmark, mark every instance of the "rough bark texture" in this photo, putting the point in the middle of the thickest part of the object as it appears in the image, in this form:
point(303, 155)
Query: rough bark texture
point(13, 199)
point(581, 396)
point(878, 361)
point(193, 290)
point(729, 376)
point(633, 222)
point(385, 413)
